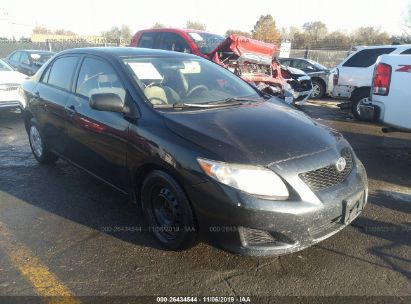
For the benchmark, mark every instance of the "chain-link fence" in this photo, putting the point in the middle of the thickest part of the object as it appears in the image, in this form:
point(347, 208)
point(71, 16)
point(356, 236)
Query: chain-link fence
point(9, 46)
point(329, 58)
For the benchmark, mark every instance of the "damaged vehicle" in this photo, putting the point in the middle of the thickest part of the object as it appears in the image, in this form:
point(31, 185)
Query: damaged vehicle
point(254, 61)
point(204, 154)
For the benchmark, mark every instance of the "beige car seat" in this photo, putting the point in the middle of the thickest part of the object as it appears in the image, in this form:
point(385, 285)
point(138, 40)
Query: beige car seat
point(156, 95)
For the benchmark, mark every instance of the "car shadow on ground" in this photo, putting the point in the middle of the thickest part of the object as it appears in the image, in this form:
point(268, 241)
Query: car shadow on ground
point(386, 159)
point(398, 241)
point(72, 194)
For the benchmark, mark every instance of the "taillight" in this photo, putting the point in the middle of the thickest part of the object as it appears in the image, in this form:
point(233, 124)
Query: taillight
point(382, 79)
point(336, 76)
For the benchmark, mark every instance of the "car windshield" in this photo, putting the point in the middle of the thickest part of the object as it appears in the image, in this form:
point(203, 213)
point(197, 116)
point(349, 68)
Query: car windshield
point(170, 81)
point(317, 65)
point(206, 42)
point(4, 66)
point(40, 58)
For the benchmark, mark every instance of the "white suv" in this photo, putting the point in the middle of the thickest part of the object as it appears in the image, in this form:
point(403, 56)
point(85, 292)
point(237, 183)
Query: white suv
point(352, 78)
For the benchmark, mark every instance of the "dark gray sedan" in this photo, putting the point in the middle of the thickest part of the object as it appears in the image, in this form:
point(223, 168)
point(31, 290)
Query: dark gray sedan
point(28, 61)
point(319, 74)
point(204, 154)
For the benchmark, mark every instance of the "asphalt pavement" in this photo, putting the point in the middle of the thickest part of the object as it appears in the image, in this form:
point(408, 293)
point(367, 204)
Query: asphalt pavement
point(60, 227)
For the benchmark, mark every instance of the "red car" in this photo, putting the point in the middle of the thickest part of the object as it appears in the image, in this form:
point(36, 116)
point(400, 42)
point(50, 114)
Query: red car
point(252, 60)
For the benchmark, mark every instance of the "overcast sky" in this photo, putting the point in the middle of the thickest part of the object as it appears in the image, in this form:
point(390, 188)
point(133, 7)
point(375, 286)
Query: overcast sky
point(93, 16)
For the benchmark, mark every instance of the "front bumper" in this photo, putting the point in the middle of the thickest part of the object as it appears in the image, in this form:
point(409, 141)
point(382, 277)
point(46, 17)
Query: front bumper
point(10, 105)
point(243, 224)
point(10, 99)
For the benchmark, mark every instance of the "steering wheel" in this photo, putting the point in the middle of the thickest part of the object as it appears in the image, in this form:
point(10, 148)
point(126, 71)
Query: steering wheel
point(158, 99)
point(196, 88)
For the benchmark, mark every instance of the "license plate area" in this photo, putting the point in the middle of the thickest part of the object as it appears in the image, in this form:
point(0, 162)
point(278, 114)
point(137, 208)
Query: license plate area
point(352, 207)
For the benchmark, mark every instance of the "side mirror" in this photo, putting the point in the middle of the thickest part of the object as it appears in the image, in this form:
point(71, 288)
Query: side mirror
point(109, 102)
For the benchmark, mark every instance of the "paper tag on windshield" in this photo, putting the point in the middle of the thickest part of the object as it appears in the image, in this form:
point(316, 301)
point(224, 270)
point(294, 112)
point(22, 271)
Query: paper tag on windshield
point(192, 67)
point(145, 70)
point(35, 56)
point(196, 36)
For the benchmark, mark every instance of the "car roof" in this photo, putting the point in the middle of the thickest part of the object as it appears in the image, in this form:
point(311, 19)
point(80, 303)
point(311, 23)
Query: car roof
point(117, 52)
point(293, 58)
point(36, 51)
point(176, 30)
point(396, 46)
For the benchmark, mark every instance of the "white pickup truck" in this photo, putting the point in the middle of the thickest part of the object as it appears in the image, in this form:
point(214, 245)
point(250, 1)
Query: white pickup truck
point(352, 77)
point(391, 93)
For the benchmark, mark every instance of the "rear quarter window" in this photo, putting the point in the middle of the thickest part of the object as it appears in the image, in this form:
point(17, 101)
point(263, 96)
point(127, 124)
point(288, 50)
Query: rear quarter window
point(366, 58)
point(406, 52)
point(147, 40)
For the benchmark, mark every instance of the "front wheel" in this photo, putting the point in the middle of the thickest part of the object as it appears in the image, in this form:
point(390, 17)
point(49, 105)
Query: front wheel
point(168, 211)
point(37, 145)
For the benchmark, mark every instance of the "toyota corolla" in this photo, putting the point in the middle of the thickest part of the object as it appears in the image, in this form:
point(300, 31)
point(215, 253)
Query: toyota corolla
point(204, 154)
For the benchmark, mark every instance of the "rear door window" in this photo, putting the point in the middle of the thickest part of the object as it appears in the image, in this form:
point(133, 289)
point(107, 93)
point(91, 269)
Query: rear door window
point(62, 71)
point(24, 59)
point(366, 58)
point(286, 62)
point(148, 40)
point(303, 65)
point(173, 42)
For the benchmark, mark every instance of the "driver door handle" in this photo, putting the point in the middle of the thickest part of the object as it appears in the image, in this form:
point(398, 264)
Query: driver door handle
point(71, 110)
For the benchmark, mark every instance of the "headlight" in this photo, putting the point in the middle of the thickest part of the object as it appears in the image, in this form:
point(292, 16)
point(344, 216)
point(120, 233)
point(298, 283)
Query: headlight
point(3, 87)
point(251, 179)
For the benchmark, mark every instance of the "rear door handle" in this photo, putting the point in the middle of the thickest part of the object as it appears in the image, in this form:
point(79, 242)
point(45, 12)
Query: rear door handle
point(36, 97)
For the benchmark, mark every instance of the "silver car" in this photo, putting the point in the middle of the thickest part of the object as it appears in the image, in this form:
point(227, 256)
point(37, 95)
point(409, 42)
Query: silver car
point(319, 74)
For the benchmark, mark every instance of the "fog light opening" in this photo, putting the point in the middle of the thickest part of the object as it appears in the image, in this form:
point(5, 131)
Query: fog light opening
point(255, 238)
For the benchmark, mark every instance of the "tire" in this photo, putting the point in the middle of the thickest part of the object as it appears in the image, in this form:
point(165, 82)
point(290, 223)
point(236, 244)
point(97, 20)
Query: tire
point(168, 211)
point(318, 89)
point(38, 146)
point(359, 97)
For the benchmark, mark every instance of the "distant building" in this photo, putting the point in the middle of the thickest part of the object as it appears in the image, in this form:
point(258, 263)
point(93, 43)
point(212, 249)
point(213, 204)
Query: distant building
point(76, 38)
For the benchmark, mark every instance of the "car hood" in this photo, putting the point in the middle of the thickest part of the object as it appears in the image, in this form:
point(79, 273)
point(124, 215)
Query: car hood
point(295, 72)
point(257, 133)
point(11, 77)
point(247, 49)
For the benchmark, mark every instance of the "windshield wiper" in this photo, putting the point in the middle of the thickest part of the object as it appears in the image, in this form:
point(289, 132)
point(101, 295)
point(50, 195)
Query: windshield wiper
point(180, 105)
point(234, 100)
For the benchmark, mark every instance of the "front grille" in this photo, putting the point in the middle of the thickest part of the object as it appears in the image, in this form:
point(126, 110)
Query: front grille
point(10, 86)
point(329, 176)
point(306, 85)
point(301, 86)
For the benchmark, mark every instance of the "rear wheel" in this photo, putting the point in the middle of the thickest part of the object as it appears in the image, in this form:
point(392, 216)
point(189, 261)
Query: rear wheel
point(318, 89)
point(38, 146)
point(168, 211)
point(359, 98)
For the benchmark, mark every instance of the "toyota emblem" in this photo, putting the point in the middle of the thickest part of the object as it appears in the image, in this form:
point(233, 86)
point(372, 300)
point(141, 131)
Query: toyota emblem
point(341, 163)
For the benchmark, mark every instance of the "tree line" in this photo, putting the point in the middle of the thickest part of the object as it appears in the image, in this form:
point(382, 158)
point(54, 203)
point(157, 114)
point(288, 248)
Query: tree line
point(312, 35)
point(315, 35)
